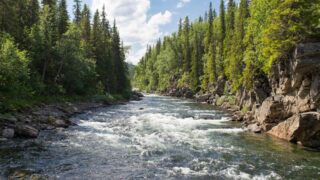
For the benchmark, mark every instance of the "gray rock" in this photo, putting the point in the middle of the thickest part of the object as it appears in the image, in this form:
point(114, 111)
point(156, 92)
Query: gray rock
point(203, 98)
point(303, 128)
point(8, 133)
point(26, 131)
point(60, 123)
point(254, 128)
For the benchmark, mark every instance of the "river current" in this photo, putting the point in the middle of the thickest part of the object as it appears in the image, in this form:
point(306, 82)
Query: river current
point(158, 138)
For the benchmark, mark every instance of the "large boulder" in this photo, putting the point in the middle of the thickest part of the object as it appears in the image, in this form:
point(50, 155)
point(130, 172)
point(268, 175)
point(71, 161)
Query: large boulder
point(202, 97)
point(303, 128)
point(26, 131)
point(271, 110)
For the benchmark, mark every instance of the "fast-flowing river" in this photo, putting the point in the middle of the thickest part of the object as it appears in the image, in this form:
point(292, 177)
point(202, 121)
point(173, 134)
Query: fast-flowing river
point(158, 138)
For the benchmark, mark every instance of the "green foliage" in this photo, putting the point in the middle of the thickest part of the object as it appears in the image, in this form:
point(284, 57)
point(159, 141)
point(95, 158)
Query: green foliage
point(43, 54)
point(243, 42)
point(14, 71)
point(286, 26)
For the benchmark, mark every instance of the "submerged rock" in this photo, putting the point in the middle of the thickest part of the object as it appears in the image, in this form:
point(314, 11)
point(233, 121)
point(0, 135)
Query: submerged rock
point(24, 174)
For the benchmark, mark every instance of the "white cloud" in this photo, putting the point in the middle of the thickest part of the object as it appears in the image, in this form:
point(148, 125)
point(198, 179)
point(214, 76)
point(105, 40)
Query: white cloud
point(136, 29)
point(181, 3)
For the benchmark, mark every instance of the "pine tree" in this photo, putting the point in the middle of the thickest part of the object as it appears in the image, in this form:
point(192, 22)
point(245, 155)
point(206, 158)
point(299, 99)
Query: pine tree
point(211, 44)
point(118, 57)
point(96, 32)
point(49, 2)
point(63, 17)
point(77, 11)
point(187, 50)
point(33, 12)
point(85, 23)
point(222, 36)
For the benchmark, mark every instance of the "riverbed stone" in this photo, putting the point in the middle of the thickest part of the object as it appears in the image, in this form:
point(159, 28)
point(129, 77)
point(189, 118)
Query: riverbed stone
point(254, 128)
point(8, 133)
point(26, 131)
point(60, 123)
point(202, 97)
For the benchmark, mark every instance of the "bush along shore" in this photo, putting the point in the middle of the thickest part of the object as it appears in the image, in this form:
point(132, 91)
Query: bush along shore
point(29, 122)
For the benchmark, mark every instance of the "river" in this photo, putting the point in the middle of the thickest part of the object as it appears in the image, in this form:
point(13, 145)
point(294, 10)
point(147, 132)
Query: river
point(158, 138)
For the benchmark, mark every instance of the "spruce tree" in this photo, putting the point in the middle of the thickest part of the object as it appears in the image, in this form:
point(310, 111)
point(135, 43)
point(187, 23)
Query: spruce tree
point(63, 17)
point(85, 23)
point(222, 36)
point(77, 11)
point(187, 50)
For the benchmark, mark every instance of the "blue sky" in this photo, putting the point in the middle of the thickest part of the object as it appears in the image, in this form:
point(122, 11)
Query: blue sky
point(142, 22)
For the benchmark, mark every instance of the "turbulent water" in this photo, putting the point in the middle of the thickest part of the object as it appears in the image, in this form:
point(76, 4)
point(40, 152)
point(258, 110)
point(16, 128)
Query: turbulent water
point(158, 138)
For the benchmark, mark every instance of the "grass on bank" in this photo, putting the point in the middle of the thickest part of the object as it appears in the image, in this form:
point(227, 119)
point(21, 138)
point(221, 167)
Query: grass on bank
point(13, 104)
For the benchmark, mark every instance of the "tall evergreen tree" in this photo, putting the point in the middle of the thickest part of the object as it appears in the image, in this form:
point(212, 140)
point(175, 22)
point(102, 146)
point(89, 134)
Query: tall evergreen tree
point(118, 57)
point(33, 12)
point(77, 11)
point(222, 36)
point(63, 17)
point(49, 2)
point(85, 23)
point(187, 49)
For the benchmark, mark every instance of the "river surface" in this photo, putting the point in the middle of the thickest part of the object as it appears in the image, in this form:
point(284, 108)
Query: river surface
point(158, 138)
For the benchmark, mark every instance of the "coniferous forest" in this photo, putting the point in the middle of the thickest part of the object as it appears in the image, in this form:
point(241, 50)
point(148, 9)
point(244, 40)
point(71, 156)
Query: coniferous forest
point(237, 43)
point(45, 54)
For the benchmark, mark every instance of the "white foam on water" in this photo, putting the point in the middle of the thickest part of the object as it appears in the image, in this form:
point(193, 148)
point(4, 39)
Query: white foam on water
point(236, 174)
point(187, 171)
point(160, 131)
point(102, 126)
point(151, 95)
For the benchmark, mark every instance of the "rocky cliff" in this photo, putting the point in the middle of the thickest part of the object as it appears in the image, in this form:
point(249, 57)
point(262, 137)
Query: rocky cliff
point(291, 111)
point(287, 103)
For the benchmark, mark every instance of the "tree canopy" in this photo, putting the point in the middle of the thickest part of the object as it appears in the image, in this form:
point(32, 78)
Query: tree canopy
point(243, 41)
point(44, 53)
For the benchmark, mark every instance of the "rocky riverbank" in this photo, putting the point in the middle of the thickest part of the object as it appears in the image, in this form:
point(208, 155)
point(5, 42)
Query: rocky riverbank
point(29, 123)
point(285, 105)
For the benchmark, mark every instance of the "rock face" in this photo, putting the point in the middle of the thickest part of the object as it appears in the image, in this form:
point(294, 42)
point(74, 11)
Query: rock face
point(290, 112)
point(180, 92)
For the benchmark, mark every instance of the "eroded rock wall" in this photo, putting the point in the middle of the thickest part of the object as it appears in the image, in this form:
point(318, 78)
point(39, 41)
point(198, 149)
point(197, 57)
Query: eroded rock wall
point(294, 102)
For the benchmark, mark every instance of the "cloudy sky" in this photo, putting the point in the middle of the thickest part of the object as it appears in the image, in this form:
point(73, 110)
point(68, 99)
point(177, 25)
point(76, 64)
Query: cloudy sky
point(142, 22)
